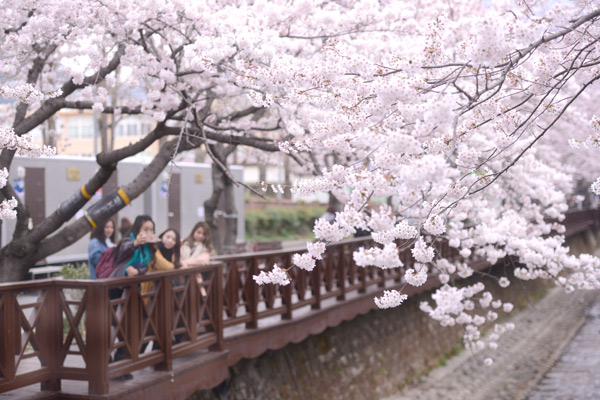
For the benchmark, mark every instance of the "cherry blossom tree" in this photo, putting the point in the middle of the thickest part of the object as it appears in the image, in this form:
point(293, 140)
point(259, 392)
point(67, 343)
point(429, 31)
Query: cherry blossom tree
point(457, 112)
point(184, 57)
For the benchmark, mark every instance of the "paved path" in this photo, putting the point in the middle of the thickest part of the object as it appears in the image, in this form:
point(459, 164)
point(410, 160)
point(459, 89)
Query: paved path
point(576, 376)
point(543, 330)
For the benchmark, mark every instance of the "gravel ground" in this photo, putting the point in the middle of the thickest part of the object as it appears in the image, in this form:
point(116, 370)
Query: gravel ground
point(543, 330)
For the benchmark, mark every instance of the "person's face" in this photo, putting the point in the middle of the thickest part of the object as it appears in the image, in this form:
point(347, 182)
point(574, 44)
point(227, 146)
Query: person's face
point(109, 229)
point(199, 235)
point(147, 228)
point(169, 240)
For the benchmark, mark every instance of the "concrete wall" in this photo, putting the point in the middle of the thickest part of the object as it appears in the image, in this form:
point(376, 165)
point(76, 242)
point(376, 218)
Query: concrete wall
point(373, 355)
point(153, 201)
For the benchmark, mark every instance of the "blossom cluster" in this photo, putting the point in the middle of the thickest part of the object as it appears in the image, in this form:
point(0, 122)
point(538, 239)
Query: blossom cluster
point(7, 209)
point(275, 276)
point(26, 93)
point(390, 299)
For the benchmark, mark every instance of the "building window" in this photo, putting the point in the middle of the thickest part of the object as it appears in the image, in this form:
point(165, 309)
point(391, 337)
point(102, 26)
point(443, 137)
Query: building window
point(80, 127)
point(132, 127)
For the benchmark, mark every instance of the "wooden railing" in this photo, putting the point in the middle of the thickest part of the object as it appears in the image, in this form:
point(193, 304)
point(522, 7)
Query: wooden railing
point(61, 329)
point(333, 278)
point(53, 330)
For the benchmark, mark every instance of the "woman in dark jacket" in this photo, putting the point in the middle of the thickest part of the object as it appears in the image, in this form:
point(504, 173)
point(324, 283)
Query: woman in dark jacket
point(102, 237)
point(133, 255)
point(136, 251)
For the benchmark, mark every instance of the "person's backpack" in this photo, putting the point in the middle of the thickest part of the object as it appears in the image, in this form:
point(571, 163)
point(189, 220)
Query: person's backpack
point(106, 263)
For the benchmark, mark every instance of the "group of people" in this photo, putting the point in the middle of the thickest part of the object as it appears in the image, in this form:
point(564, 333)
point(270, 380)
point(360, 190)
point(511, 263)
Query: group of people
point(139, 251)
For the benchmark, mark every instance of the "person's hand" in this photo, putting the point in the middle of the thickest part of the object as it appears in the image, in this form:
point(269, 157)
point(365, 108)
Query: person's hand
point(204, 258)
point(140, 239)
point(132, 271)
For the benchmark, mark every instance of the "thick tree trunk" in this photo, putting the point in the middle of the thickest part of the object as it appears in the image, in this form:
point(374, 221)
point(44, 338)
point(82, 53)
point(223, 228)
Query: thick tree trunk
point(12, 270)
point(224, 242)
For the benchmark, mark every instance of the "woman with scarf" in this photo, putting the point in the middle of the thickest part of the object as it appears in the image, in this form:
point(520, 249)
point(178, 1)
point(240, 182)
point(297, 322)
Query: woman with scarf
point(133, 256)
point(136, 250)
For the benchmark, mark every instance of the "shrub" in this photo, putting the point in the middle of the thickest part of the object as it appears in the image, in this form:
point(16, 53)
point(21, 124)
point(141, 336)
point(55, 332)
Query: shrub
point(71, 271)
point(279, 223)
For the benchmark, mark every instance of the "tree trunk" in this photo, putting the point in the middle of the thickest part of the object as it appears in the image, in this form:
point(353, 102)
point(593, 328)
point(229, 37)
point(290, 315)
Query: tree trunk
point(287, 182)
point(262, 172)
point(231, 218)
point(49, 132)
point(103, 131)
point(224, 242)
point(211, 205)
point(200, 154)
point(13, 270)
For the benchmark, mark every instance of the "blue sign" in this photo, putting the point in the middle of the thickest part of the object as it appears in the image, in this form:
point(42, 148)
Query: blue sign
point(164, 188)
point(19, 187)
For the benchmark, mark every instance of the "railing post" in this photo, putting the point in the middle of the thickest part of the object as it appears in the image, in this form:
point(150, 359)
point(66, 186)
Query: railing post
point(217, 306)
point(315, 283)
point(134, 320)
point(362, 273)
point(97, 326)
point(194, 295)
point(406, 259)
point(8, 330)
point(341, 272)
point(287, 291)
point(252, 291)
point(362, 276)
point(381, 273)
point(165, 323)
point(49, 332)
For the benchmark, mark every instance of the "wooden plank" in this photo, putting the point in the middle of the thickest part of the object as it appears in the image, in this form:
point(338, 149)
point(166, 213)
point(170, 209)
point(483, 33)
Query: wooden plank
point(165, 323)
point(7, 335)
point(98, 332)
point(49, 336)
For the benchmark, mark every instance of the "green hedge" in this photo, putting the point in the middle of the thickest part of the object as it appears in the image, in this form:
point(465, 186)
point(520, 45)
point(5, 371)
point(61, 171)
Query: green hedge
point(278, 223)
point(73, 271)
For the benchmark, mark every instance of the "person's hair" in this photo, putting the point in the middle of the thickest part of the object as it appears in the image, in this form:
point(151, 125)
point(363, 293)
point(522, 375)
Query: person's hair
point(138, 222)
point(98, 232)
point(125, 227)
point(135, 229)
point(207, 236)
point(177, 248)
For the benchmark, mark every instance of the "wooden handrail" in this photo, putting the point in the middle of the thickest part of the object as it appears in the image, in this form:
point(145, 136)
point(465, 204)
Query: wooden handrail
point(179, 314)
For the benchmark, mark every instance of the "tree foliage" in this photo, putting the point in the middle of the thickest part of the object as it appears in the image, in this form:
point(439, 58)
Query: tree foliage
point(458, 112)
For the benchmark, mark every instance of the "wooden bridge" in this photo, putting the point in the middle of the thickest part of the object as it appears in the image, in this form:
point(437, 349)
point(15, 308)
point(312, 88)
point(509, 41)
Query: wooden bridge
point(57, 336)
